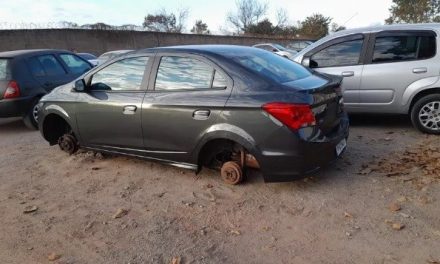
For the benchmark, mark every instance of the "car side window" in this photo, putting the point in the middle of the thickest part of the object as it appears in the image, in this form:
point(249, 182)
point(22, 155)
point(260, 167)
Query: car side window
point(45, 65)
point(184, 73)
point(122, 75)
point(403, 48)
point(75, 64)
point(341, 54)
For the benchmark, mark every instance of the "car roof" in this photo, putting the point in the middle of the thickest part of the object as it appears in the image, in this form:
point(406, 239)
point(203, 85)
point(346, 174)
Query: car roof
point(373, 29)
point(29, 52)
point(198, 49)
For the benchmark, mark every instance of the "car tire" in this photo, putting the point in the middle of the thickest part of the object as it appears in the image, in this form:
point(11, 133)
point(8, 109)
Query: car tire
point(30, 118)
point(425, 114)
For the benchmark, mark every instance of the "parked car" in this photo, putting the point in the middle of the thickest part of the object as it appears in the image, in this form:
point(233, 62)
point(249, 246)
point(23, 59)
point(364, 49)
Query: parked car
point(27, 75)
point(387, 69)
point(89, 57)
point(110, 55)
point(225, 107)
point(277, 49)
point(299, 45)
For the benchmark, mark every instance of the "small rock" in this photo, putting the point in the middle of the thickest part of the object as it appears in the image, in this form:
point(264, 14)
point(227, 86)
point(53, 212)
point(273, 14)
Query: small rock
point(53, 257)
point(402, 199)
point(209, 186)
point(120, 213)
point(395, 207)
point(95, 168)
point(398, 226)
point(405, 215)
point(235, 232)
point(348, 234)
point(30, 209)
point(348, 215)
point(30, 248)
point(388, 221)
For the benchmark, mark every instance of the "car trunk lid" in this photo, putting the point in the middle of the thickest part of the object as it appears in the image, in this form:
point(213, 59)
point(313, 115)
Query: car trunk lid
point(325, 99)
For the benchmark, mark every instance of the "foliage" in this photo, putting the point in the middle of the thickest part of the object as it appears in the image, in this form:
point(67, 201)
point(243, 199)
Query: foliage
point(414, 11)
point(200, 28)
point(249, 12)
point(163, 21)
point(316, 26)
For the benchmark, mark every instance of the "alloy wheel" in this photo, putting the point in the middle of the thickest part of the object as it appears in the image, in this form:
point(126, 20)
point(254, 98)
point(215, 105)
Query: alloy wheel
point(429, 115)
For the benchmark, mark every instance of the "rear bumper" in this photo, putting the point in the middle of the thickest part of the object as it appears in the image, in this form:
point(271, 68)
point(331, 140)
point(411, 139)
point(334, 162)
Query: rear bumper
point(15, 107)
point(297, 157)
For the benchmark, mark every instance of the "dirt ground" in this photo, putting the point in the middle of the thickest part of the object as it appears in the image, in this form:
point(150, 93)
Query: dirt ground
point(351, 212)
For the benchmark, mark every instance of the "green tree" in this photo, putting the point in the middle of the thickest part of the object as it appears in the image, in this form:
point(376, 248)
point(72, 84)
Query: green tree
point(414, 11)
point(264, 27)
point(200, 28)
point(315, 26)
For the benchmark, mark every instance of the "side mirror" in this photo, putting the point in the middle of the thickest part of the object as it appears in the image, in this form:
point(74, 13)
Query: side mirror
point(79, 86)
point(306, 62)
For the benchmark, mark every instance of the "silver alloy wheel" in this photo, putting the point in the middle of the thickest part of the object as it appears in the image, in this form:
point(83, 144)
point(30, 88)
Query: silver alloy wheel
point(429, 115)
point(35, 112)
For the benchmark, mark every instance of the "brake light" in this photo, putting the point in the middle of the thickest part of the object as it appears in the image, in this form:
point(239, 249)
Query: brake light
point(12, 91)
point(294, 116)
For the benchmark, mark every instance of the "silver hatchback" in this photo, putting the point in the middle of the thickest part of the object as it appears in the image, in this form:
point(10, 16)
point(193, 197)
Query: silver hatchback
point(388, 69)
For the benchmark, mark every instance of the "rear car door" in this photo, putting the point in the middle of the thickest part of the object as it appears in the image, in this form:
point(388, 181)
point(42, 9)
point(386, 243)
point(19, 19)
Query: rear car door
point(186, 95)
point(396, 59)
point(342, 57)
point(108, 114)
point(48, 71)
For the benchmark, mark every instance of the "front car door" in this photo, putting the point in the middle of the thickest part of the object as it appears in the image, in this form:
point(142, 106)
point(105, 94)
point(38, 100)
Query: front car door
point(109, 112)
point(186, 95)
point(343, 57)
point(396, 59)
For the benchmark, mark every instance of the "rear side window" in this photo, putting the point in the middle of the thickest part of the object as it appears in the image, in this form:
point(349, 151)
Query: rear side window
point(3, 69)
point(342, 54)
point(50, 65)
point(123, 75)
point(267, 64)
point(181, 73)
point(75, 64)
point(403, 48)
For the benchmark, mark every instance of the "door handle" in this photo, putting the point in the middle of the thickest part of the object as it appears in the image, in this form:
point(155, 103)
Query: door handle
point(129, 110)
point(420, 70)
point(347, 74)
point(201, 114)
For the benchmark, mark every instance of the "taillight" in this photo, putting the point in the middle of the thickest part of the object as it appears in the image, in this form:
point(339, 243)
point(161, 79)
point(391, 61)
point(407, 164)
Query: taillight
point(294, 116)
point(12, 91)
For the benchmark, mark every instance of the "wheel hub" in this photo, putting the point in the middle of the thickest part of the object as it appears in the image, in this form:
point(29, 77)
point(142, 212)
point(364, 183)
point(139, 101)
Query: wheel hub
point(429, 115)
point(68, 143)
point(232, 173)
point(35, 111)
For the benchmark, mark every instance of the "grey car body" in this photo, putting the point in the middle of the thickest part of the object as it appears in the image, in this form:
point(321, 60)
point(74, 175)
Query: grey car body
point(183, 125)
point(386, 69)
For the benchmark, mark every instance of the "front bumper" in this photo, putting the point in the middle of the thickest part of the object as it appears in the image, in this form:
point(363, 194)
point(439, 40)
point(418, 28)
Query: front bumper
point(15, 107)
point(295, 157)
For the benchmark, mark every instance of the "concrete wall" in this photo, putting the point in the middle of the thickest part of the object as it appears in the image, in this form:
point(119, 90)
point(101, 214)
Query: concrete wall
point(100, 41)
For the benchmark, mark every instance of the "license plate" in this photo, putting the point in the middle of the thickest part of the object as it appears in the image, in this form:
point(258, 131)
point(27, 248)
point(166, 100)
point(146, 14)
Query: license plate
point(341, 146)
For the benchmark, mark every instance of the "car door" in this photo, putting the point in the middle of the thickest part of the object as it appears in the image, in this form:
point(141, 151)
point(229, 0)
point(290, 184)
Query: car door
point(186, 95)
point(108, 114)
point(396, 59)
point(343, 57)
point(48, 71)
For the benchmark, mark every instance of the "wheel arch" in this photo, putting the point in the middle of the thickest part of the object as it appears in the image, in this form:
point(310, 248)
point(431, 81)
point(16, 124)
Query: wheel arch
point(422, 93)
point(53, 126)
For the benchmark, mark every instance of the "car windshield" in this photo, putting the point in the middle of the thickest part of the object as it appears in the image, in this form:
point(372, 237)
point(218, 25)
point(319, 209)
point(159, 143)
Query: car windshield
point(3, 68)
point(87, 56)
point(278, 46)
point(268, 64)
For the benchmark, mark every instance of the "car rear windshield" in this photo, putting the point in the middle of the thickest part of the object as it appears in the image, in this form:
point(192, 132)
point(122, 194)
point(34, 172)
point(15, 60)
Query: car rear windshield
point(269, 65)
point(3, 68)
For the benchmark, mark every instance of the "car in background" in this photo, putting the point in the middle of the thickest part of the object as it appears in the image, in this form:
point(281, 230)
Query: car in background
point(225, 107)
point(392, 69)
point(89, 57)
point(110, 55)
point(27, 75)
point(299, 45)
point(277, 49)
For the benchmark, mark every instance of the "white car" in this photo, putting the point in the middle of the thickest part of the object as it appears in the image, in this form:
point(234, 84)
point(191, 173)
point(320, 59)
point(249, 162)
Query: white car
point(110, 55)
point(277, 49)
